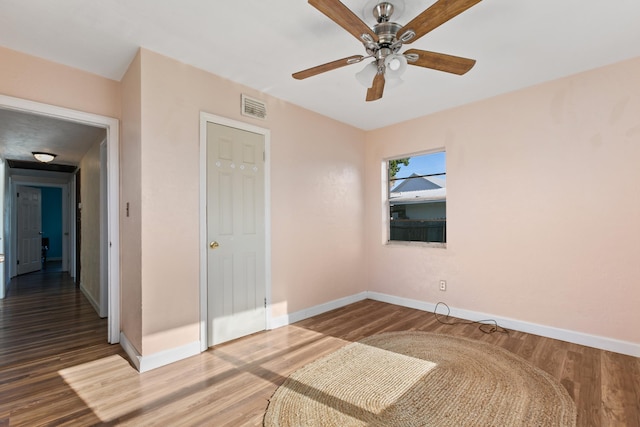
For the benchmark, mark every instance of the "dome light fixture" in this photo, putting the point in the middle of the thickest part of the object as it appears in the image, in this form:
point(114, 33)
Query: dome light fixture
point(43, 157)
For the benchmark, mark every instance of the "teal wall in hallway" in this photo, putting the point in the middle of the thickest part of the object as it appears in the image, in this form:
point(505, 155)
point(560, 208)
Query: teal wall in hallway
point(52, 220)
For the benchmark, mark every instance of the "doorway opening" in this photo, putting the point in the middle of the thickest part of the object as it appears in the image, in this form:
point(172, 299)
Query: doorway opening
point(111, 208)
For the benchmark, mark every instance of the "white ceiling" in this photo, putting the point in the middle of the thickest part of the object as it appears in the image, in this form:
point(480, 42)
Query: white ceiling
point(260, 43)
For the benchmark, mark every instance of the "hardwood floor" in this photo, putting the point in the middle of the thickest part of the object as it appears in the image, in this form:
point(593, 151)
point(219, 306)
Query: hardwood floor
point(56, 367)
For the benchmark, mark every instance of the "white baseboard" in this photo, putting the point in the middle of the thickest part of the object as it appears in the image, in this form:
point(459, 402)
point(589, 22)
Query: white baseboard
point(156, 360)
point(128, 348)
point(595, 341)
point(277, 322)
point(91, 300)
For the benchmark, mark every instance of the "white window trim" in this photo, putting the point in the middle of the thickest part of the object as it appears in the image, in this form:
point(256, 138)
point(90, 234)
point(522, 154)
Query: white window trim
point(386, 219)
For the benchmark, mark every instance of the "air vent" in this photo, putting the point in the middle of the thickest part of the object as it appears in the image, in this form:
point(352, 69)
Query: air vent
point(253, 108)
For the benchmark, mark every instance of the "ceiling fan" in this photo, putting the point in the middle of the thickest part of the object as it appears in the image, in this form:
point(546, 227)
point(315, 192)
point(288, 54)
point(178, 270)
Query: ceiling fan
point(384, 41)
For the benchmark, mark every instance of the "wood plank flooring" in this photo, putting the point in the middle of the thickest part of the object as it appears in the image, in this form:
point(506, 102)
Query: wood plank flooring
point(56, 367)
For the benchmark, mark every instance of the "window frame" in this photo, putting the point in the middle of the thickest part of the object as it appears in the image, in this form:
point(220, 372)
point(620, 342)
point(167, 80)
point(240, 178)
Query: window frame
point(386, 205)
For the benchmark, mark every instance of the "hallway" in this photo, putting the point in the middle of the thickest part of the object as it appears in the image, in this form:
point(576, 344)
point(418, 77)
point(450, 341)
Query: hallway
point(45, 315)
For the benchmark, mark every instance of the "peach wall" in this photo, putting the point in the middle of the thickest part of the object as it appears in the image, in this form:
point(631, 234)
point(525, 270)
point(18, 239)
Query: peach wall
point(130, 193)
point(542, 205)
point(36, 79)
point(316, 197)
point(317, 170)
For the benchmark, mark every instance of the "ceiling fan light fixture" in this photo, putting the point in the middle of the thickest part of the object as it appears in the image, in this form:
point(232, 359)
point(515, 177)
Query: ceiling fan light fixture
point(365, 77)
point(43, 157)
point(395, 65)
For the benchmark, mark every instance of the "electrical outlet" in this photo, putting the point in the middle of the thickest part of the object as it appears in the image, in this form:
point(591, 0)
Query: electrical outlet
point(443, 285)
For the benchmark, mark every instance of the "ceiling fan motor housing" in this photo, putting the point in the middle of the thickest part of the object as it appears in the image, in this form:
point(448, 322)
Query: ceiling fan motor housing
point(387, 41)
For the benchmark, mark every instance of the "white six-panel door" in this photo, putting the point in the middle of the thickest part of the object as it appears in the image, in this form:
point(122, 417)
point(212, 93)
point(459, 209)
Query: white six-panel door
point(29, 236)
point(236, 274)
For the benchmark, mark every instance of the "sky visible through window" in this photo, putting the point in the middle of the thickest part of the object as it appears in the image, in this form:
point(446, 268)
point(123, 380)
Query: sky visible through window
point(424, 164)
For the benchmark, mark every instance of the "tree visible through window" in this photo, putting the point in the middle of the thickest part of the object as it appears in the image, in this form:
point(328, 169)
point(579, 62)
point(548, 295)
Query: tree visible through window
point(418, 198)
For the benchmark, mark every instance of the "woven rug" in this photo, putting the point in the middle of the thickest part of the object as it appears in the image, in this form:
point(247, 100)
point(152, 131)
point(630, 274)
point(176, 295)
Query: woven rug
point(420, 379)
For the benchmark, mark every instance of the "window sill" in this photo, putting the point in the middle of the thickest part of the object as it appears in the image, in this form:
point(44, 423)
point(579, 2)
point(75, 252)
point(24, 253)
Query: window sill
point(417, 244)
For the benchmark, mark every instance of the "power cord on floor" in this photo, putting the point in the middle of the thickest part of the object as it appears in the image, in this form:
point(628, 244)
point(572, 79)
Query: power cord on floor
point(488, 326)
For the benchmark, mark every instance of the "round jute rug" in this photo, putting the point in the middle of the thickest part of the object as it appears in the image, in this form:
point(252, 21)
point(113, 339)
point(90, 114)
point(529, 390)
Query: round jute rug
point(408, 379)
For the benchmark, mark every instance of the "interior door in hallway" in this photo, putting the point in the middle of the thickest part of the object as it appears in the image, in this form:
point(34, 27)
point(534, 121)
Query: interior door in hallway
point(29, 223)
point(236, 276)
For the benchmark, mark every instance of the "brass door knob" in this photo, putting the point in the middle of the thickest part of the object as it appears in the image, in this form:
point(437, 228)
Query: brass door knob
point(214, 245)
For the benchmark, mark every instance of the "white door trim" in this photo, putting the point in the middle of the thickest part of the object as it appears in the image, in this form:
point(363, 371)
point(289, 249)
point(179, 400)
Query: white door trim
point(204, 119)
point(113, 182)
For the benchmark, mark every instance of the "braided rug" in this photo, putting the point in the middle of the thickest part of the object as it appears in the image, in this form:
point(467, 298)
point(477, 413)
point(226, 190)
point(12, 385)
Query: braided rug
point(420, 379)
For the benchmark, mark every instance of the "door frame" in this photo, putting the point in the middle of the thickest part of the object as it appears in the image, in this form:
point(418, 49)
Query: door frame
point(112, 127)
point(77, 227)
point(11, 243)
point(266, 133)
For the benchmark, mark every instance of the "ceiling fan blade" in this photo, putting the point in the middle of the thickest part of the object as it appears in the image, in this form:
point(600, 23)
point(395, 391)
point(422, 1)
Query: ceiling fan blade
point(377, 88)
point(343, 16)
point(327, 67)
point(441, 62)
point(436, 15)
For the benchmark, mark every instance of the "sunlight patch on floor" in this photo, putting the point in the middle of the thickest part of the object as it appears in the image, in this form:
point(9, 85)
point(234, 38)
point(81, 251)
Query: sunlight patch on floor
point(116, 392)
point(382, 376)
point(105, 385)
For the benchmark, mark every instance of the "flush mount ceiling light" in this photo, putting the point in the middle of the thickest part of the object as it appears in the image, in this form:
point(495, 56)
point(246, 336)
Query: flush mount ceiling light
point(43, 157)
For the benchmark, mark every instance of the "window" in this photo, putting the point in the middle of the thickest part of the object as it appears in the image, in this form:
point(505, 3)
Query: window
point(418, 198)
